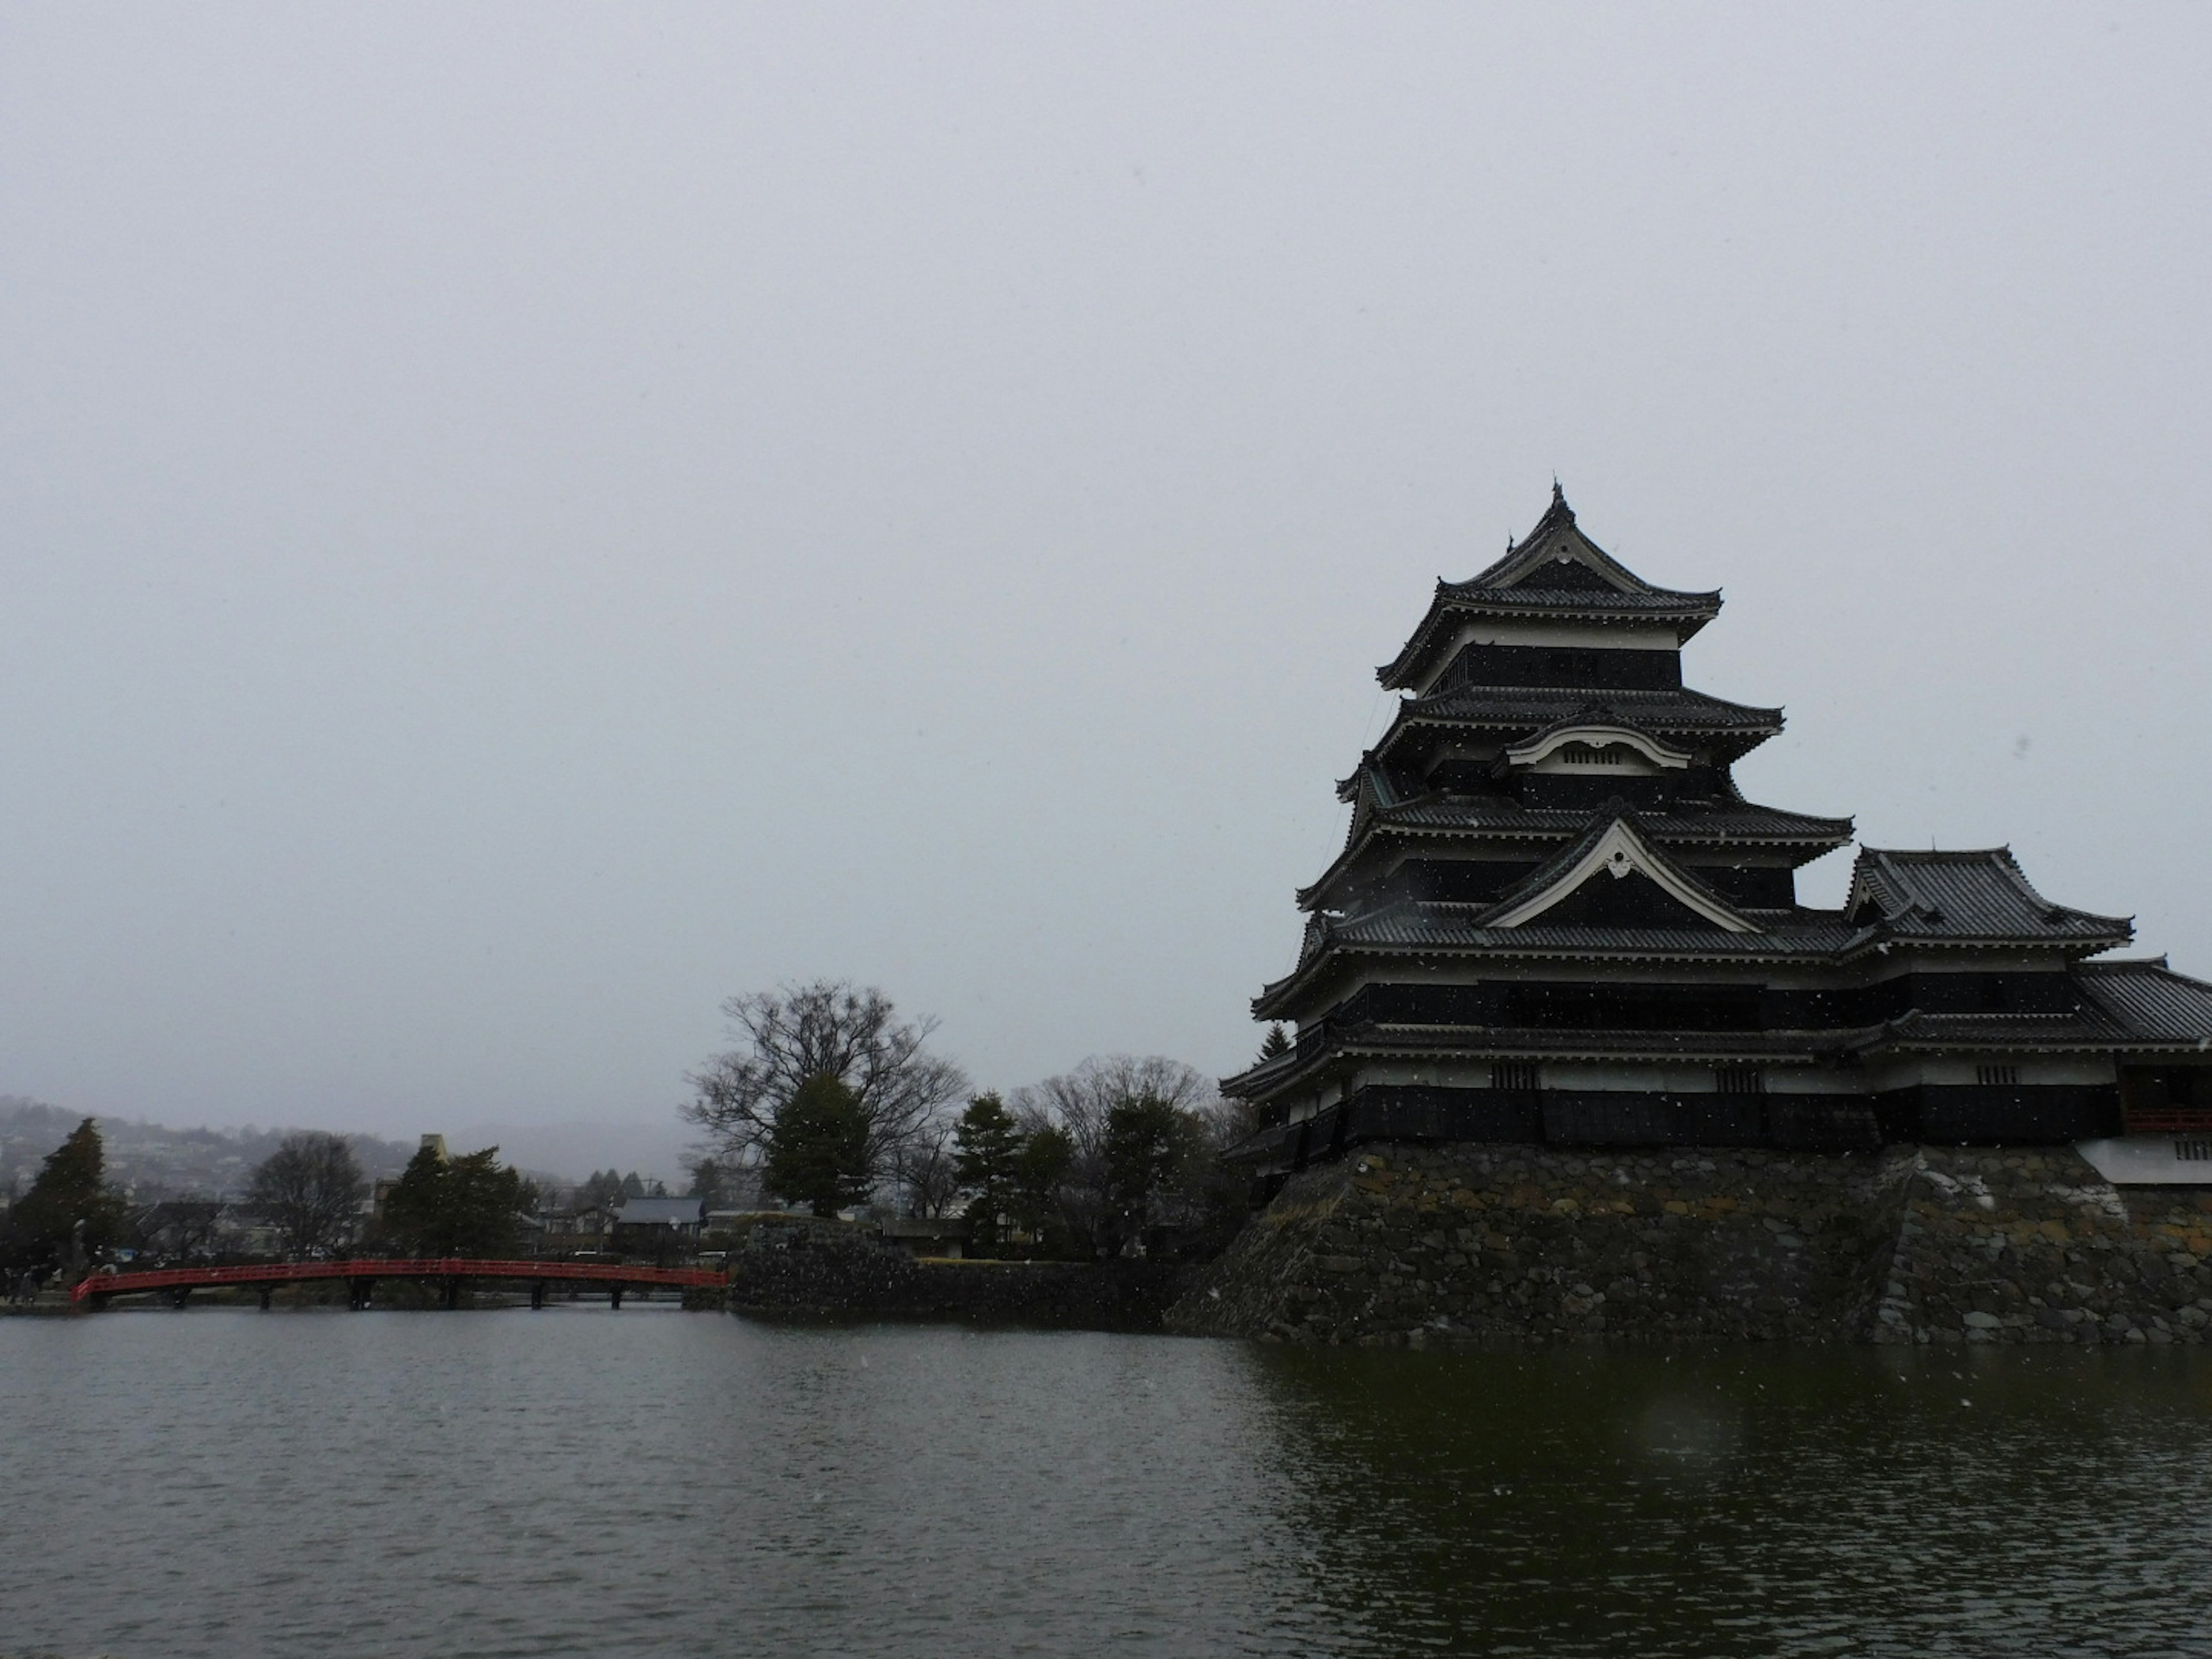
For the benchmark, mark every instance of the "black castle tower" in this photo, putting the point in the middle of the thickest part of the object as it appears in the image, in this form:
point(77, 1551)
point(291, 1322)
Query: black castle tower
point(1556, 920)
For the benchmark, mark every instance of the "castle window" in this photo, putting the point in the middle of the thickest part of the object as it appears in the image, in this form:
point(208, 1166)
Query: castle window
point(1585, 754)
point(1739, 1080)
point(1996, 1076)
point(1516, 1074)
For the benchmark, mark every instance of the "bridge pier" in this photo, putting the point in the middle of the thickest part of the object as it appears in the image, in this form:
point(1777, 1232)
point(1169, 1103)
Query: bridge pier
point(614, 1296)
point(359, 1292)
point(538, 1295)
point(450, 1294)
point(178, 1296)
point(267, 1290)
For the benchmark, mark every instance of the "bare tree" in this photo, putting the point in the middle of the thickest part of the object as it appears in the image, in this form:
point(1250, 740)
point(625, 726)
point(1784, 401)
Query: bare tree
point(179, 1226)
point(1078, 1101)
point(309, 1190)
point(927, 1169)
point(1081, 1103)
point(827, 1028)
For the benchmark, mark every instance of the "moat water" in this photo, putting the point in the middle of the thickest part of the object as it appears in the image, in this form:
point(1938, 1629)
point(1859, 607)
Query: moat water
point(222, 1484)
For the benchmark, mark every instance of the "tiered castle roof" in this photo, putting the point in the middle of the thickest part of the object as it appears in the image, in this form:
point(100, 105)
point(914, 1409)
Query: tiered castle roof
point(1549, 860)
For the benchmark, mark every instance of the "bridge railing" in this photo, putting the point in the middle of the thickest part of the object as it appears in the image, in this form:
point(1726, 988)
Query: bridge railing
point(285, 1273)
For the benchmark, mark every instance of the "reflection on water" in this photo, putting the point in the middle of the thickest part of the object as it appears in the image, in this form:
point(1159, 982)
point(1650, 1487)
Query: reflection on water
point(1756, 1501)
point(579, 1481)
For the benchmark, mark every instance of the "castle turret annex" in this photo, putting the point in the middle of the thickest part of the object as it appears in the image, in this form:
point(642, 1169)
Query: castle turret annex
point(1556, 920)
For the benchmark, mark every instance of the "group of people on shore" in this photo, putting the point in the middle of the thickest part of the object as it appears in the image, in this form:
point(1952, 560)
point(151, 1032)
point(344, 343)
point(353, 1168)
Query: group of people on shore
point(23, 1287)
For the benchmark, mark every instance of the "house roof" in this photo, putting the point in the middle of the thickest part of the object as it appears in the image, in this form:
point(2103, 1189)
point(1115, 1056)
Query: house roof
point(1977, 895)
point(660, 1212)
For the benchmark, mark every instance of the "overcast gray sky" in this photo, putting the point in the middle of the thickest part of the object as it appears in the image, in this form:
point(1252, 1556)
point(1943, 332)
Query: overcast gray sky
point(518, 522)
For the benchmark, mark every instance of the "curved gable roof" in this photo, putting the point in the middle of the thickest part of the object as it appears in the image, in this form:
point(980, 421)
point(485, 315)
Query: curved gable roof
point(1614, 849)
point(1556, 572)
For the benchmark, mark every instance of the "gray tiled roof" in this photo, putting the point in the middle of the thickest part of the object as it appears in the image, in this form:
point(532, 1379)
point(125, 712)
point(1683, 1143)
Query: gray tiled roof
point(1478, 596)
point(660, 1211)
point(1393, 929)
point(1970, 895)
point(1519, 708)
point(1497, 815)
point(2150, 1001)
point(1607, 589)
point(2089, 1029)
point(1552, 534)
point(1511, 1041)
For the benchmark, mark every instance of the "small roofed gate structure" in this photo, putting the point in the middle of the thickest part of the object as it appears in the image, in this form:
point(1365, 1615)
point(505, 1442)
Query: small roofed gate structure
point(361, 1276)
point(1555, 918)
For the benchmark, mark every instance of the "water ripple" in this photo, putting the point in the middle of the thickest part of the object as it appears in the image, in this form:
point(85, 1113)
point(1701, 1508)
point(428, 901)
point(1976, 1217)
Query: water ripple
point(219, 1485)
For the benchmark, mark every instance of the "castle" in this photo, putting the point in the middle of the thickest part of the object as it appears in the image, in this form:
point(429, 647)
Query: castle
point(1556, 921)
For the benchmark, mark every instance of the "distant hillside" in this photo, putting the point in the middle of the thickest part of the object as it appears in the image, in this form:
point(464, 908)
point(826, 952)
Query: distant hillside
point(151, 1161)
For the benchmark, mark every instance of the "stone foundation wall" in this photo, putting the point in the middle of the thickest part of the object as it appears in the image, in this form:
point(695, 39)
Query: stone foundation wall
point(1475, 1243)
point(804, 1267)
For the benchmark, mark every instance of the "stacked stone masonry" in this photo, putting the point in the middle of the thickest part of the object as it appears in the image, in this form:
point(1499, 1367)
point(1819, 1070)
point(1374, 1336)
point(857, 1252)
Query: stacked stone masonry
point(1914, 1244)
point(800, 1266)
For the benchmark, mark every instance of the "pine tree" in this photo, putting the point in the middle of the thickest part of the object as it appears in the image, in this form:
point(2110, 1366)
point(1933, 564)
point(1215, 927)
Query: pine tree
point(1147, 1139)
point(71, 1188)
point(817, 1147)
point(1039, 1168)
point(988, 1143)
point(1274, 1044)
point(460, 1207)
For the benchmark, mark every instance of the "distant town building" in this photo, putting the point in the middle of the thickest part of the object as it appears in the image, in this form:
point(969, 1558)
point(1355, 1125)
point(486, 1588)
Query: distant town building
point(944, 1237)
point(639, 1221)
point(1555, 919)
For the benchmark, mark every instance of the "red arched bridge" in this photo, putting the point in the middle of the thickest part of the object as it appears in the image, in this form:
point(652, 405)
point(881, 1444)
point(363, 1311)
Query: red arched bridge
point(449, 1273)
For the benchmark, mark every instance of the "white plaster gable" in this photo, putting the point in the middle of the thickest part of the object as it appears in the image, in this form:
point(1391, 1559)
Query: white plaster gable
point(1542, 752)
point(1618, 853)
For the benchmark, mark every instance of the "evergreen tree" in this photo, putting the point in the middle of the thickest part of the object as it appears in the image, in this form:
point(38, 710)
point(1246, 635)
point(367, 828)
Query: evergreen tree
point(602, 1190)
point(1146, 1141)
point(817, 1147)
point(1040, 1167)
point(70, 1188)
point(712, 1180)
point(988, 1143)
point(1276, 1043)
point(460, 1207)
